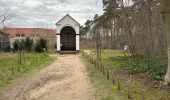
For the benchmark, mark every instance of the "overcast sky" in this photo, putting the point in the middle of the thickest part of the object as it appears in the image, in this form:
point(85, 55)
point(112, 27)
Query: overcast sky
point(45, 13)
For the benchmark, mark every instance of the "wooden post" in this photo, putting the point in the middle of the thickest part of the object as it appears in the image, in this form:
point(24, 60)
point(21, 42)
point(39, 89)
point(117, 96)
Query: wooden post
point(24, 57)
point(107, 74)
point(113, 79)
point(118, 83)
point(97, 63)
point(103, 69)
point(142, 95)
point(100, 67)
point(20, 57)
point(12, 70)
point(129, 94)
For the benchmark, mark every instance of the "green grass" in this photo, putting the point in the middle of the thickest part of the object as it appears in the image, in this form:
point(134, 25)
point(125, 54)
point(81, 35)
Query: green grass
point(151, 67)
point(154, 68)
point(9, 61)
point(104, 88)
point(109, 55)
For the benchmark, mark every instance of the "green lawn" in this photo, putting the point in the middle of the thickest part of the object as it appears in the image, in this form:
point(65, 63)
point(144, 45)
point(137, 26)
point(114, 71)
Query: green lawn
point(113, 57)
point(9, 62)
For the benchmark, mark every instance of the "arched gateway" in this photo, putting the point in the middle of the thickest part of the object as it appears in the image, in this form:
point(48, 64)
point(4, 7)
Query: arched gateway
point(67, 34)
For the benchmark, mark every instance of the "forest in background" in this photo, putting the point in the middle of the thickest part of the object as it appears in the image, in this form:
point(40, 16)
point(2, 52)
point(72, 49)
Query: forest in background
point(139, 24)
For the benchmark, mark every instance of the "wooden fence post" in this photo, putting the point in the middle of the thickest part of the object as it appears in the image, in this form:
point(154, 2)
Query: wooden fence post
point(107, 74)
point(12, 70)
point(103, 69)
point(142, 95)
point(97, 63)
point(113, 79)
point(118, 83)
point(129, 87)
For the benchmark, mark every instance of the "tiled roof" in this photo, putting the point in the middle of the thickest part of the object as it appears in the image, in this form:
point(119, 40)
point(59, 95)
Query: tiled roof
point(41, 32)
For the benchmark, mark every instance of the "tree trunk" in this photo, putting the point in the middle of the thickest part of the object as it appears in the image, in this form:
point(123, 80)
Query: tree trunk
point(166, 16)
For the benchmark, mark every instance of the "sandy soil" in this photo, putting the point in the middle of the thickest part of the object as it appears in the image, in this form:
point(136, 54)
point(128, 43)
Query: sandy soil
point(65, 79)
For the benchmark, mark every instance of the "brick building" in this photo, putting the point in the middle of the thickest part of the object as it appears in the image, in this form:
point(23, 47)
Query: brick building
point(33, 33)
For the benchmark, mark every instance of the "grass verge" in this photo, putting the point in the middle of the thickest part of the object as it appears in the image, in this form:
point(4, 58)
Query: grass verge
point(105, 89)
point(8, 62)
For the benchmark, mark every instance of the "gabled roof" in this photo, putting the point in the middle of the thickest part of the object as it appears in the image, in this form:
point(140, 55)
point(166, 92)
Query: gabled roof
point(69, 17)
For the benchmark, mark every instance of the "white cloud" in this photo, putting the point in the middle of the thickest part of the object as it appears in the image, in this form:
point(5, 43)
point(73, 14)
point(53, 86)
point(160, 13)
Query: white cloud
point(34, 13)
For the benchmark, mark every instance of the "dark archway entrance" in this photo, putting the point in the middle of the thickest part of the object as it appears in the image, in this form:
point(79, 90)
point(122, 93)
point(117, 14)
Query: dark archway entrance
point(68, 39)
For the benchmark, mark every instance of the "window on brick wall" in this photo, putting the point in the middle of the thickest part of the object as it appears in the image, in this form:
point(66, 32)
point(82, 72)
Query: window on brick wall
point(22, 35)
point(17, 35)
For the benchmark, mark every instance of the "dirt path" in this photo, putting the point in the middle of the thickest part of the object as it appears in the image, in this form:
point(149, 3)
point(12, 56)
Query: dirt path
point(65, 79)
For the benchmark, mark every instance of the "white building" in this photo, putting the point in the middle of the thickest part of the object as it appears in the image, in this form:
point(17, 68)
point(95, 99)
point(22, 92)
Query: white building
point(68, 37)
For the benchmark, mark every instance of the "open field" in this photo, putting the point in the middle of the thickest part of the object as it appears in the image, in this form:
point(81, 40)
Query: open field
point(10, 70)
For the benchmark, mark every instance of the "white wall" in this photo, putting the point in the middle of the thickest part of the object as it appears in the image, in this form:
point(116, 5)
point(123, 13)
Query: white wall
point(77, 42)
point(67, 21)
point(58, 43)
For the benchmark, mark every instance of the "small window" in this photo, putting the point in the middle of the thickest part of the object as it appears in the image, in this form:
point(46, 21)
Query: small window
point(22, 35)
point(17, 35)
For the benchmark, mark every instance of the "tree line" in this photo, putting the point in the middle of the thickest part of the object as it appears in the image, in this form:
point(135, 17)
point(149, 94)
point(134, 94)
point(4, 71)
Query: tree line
point(140, 24)
point(137, 24)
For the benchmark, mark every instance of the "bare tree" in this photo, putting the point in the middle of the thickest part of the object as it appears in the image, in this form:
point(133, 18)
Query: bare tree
point(6, 14)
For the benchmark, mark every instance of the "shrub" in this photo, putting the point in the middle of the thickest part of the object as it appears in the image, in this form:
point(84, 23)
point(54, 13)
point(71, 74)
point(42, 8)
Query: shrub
point(22, 44)
point(18, 45)
point(40, 45)
point(15, 45)
point(28, 44)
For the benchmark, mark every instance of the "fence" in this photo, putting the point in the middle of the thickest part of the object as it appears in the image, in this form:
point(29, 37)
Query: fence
point(14, 63)
point(115, 77)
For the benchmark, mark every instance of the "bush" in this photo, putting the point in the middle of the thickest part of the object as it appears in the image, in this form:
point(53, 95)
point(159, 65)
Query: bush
point(28, 44)
point(41, 45)
point(19, 45)
point(22, 44)
point(15, 45)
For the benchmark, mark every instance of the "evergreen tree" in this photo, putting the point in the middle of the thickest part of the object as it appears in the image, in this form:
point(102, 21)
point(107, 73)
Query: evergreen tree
point(28, 44)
